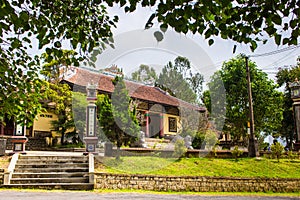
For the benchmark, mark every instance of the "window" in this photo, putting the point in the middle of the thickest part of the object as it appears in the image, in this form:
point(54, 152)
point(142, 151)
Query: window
point(172, 124)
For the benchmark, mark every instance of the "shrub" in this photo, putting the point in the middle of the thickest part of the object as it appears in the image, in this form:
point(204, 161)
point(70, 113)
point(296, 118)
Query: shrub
point(179, 149)
point(198, 139)
point(277, 150)
point(236, 152)
point(292, 155)
point(213, 152)
point(210, 139)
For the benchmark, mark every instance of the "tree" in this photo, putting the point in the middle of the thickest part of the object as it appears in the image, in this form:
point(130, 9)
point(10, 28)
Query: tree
point(196, 84)
point(81, 24)
point(117, 121)
point(178, 80)
point(284, 77)
point(267, 100)
point(144, 74)
point(248, 22)
point(54, 66)
point(84, 25)
point(61, 96)
point(79, 104)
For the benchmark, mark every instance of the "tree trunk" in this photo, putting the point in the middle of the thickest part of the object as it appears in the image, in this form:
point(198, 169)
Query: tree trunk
point(119, 144)
point(62, 140)
point(118, 153)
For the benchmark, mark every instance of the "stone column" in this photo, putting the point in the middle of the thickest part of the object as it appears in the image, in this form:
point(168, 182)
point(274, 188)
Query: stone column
point(91, 138)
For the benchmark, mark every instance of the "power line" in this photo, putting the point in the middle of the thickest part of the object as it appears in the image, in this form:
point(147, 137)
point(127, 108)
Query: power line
point(276, 51)
point(280, 60)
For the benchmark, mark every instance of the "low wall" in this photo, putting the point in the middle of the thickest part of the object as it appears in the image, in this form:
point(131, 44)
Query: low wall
point(196, 184)
point(32, 143)
point(169, 153)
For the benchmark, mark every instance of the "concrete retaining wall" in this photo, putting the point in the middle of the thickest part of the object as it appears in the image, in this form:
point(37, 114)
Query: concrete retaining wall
point(196, 184)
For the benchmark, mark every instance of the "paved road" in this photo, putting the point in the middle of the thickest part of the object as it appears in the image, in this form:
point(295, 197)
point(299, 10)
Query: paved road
point(63, 195)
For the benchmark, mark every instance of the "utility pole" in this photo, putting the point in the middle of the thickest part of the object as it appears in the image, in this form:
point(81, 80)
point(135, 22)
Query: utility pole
point(251, 148)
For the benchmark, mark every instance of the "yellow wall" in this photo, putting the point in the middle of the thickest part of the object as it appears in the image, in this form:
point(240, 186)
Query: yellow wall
point(43, 122)
point(166, 124)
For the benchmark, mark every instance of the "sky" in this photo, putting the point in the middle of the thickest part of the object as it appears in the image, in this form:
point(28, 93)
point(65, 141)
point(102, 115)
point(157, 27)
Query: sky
point(135, 46)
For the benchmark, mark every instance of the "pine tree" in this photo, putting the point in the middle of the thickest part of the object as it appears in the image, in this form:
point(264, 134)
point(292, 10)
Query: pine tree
point(117, 121)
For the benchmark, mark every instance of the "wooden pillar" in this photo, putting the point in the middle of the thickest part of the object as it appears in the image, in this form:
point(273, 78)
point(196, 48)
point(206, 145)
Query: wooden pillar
point(161, 116)
point(147, 123)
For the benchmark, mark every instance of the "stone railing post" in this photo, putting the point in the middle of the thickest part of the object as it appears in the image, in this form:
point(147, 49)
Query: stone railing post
point(91, 168)
point(11, 168)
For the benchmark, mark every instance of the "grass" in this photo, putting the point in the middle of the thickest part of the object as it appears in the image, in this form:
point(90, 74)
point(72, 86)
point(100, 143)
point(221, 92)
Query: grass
point(244, 167)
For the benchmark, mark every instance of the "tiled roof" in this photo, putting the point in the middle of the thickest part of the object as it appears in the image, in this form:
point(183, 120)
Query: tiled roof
point(83, 77)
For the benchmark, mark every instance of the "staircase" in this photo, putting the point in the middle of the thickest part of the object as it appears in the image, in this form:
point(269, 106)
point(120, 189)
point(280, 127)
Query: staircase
point(51, 172)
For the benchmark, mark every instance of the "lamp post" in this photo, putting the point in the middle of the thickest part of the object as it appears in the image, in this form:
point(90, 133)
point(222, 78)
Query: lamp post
point(91, 138)
point(295, 95)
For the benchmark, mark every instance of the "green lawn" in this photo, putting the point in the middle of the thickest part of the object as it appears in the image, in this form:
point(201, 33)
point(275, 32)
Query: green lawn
point(244, 167)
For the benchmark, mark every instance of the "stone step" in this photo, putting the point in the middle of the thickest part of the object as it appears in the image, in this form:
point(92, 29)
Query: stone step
point(54, 158)
point(51, 172)
point(49, 175)
point(61, 161)
point(49, 180)
point(44, 170)
point(51, 186)
point(52, 165)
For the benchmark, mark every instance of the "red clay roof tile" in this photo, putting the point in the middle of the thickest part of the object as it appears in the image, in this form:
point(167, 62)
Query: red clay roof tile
point(83, 77)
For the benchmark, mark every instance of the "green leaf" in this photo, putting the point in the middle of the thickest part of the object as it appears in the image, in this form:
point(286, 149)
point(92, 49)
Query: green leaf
point(277, 19)
point(234, 49)
point(149, 23)
point(278, 39)
point(158, 36)
point(210, 42)
point(258, 23)
point(57, 44)
point(127, 9)
point(270, 30)
point(164, 27)
point(293, 23)
point(208, 33)
point(145, 3)
point(253, 45)
point(24, 16)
